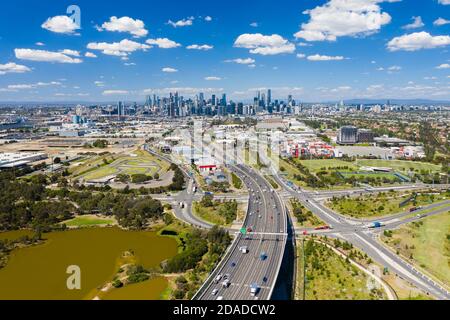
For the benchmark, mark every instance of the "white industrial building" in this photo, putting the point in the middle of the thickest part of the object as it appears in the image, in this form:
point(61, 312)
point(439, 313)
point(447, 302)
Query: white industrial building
point(18, 159)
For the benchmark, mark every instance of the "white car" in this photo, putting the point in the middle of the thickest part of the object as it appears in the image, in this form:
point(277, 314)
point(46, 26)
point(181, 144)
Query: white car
point(226, 283)
point(219, 298)
point(214, 292)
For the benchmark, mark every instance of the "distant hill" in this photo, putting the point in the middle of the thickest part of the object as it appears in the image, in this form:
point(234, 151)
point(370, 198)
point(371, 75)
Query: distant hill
point(398, 101)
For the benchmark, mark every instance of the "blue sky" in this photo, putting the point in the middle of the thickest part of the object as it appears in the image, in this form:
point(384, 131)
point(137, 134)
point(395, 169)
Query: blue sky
point(317, 50)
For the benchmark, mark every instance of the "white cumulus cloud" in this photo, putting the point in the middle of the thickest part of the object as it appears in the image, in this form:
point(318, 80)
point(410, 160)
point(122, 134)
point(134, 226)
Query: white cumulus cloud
point(115, 92)
point(441, 22)
point(69, 52)
point(169, 70)
point(181, 23)
point(318, 57)
point(163, 43)
point(417, 23)
point(417, 41)
point(339, 18)
point(120, 49)
point(204, 47)
point(60, 24)
point(135, 27)
point(45, 56)
point(443, 66)
point(264, 44)
point(242, 61)
point(212, 78)
point(90, 55)
point(12, 67)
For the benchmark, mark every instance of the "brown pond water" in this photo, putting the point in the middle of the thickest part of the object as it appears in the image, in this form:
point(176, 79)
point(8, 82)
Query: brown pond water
point(39, 272)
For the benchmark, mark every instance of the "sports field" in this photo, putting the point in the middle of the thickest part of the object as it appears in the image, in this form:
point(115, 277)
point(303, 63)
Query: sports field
point(327, 164)
point(139, 162)
point(401, 165)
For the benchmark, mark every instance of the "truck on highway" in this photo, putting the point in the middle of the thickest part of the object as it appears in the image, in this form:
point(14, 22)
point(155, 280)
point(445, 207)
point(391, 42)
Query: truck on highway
point(254, 289)
point(413, 209)
point(322, 228)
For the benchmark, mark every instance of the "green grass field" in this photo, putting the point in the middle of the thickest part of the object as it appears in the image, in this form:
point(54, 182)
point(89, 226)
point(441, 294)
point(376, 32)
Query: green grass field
point(329, 164)
point(400, 165)
point(88, 221)
point(427, 244)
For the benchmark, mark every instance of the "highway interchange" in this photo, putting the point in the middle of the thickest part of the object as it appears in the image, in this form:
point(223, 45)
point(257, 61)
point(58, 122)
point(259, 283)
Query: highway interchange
point(269, 236)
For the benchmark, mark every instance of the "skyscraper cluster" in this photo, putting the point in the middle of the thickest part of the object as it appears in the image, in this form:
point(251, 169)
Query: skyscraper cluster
point(175, 105)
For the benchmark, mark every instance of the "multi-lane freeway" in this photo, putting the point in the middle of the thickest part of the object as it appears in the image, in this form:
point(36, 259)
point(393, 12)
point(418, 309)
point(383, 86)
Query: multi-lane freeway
point(267, 220)
point(266, 223)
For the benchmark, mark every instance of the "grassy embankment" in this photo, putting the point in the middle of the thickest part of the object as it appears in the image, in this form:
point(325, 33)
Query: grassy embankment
point(330, 276)
point(303, 216)
point(383, 204)
point(426, 244)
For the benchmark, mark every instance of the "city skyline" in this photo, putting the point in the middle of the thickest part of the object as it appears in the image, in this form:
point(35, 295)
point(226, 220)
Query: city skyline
point(298, 49)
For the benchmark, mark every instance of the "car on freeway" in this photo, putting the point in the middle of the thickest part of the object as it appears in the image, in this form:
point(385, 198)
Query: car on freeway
point(214, 292)
point(226, 283)
point(233, 264)
point(219, 298)
point(226, 276)
point(244, 249)
point(218, 278)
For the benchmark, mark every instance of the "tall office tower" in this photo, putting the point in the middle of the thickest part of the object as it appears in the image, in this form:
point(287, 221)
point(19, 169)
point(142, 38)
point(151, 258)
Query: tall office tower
point(120, 109)
point(348, 135)
point(201, 97)
point(224, 100)
point(290, 100)
point(213, 100)
point(255, 102)
point(262, 101)
point(148, 101)
point(269, 97)
point(240, 108)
